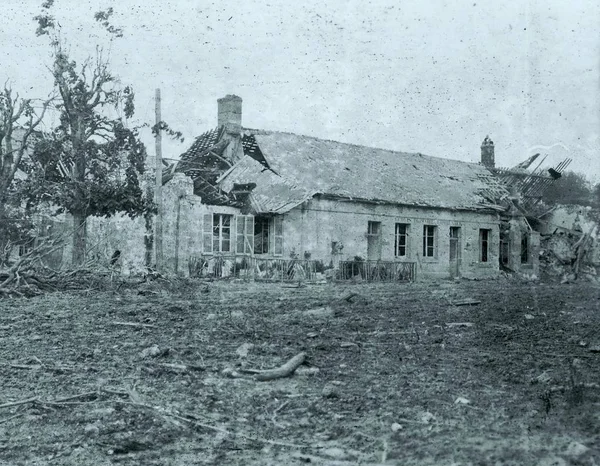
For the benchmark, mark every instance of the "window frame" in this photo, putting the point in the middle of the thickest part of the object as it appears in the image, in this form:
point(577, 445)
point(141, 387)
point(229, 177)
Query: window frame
point(370, 225)
point(398, 236)
point(525, 249)
point(485, 237)
point(219, 227)
point(265, 234)
point(433, 237)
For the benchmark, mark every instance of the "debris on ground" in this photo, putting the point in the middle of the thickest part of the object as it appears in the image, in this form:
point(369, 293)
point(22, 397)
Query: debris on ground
point(379, 385)
point(466, 302)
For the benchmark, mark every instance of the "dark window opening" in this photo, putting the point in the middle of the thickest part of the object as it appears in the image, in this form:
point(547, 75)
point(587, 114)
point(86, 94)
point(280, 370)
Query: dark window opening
point(401, 242)
point(504, 253)
point(429, 240)
point(484, 239)
point(524, 248)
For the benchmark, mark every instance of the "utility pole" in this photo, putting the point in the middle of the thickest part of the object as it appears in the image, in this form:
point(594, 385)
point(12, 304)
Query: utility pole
point(158, 188)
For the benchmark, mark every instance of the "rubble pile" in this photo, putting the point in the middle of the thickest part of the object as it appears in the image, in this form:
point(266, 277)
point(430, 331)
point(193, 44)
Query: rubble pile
point(570, 255)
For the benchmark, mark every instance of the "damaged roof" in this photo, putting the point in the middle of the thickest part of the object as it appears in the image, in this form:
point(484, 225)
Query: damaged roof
point(301, 167)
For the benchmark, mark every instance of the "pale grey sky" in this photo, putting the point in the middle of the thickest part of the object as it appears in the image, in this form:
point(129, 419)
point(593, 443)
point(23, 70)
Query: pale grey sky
point(421, 76)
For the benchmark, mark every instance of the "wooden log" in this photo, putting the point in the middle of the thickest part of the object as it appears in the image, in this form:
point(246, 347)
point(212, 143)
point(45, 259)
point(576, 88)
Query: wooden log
point(283, 371)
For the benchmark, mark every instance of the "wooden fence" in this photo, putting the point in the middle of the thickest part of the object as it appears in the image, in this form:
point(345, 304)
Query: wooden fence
point(253, 268)
point(377, 270)
point(280, 269)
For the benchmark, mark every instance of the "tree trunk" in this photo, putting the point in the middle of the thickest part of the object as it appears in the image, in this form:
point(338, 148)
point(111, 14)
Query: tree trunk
point(79, 239)
point(4, 252)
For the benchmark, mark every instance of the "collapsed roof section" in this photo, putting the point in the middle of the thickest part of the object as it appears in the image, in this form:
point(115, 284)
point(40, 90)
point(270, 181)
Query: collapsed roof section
point(204, 162)
point(527, 187)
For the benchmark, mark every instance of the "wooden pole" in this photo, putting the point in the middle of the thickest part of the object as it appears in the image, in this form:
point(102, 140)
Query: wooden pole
point(158, 189)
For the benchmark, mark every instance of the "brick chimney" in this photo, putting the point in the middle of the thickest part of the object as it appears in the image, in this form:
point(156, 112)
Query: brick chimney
point(487, 153)
point(230, 113)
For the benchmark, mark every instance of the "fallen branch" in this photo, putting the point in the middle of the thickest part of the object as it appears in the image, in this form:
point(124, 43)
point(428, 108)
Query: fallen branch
point(22, 402)
point(134, 324)
point(24, 366)
point(459, 324)
point(92, 395)
point(466, 302)
point(181, 367)
point(349, 297)
point(283, 371)
point(562, 388)
point(10, 418)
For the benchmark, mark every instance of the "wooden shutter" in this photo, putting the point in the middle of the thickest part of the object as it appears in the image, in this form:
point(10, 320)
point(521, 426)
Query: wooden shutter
point(244, 234)
point(240, 230)
point(249, 238)
point(207, 234)
point(278, 235)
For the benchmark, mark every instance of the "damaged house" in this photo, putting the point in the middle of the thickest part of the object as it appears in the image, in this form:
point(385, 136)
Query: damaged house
point(245, 202)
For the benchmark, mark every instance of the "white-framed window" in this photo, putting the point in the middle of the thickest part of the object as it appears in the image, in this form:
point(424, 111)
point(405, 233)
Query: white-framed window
point(401, 240)
point(429, 240)
point(222, 232)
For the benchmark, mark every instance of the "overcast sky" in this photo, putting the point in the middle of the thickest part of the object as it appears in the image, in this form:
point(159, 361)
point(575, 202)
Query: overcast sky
point(420, 76)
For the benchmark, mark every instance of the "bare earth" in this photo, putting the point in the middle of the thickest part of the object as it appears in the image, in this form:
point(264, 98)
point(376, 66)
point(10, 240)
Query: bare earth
point(514, 383)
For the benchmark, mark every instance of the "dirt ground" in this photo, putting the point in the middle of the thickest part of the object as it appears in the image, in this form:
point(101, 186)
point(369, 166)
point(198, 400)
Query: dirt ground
point(397, 375)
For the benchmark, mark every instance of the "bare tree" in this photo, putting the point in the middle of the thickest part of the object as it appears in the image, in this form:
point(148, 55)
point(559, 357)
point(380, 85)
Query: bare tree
point(19, 120)
point(92, 160)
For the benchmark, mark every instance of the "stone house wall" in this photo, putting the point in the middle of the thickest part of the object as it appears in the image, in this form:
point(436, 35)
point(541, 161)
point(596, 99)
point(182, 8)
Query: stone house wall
point(312, 228)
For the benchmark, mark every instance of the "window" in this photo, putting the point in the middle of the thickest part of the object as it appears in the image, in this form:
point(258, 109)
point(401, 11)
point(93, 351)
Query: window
point(484, 247)
point(429, 233)
point(373, 228)
point(261, 235)
point(401, 243)
point(222, 232)
point(524, 248)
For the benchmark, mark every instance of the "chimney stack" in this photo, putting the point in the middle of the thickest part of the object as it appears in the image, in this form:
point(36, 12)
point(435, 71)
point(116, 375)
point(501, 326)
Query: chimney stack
point(230, 114)
point(487, 153)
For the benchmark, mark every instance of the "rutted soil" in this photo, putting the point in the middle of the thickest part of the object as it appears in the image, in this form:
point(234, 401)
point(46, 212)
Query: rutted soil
point(513, 380)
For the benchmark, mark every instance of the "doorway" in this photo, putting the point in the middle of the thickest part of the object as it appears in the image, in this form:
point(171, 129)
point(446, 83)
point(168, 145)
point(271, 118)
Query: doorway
point(454, 252)
point(374, 241)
